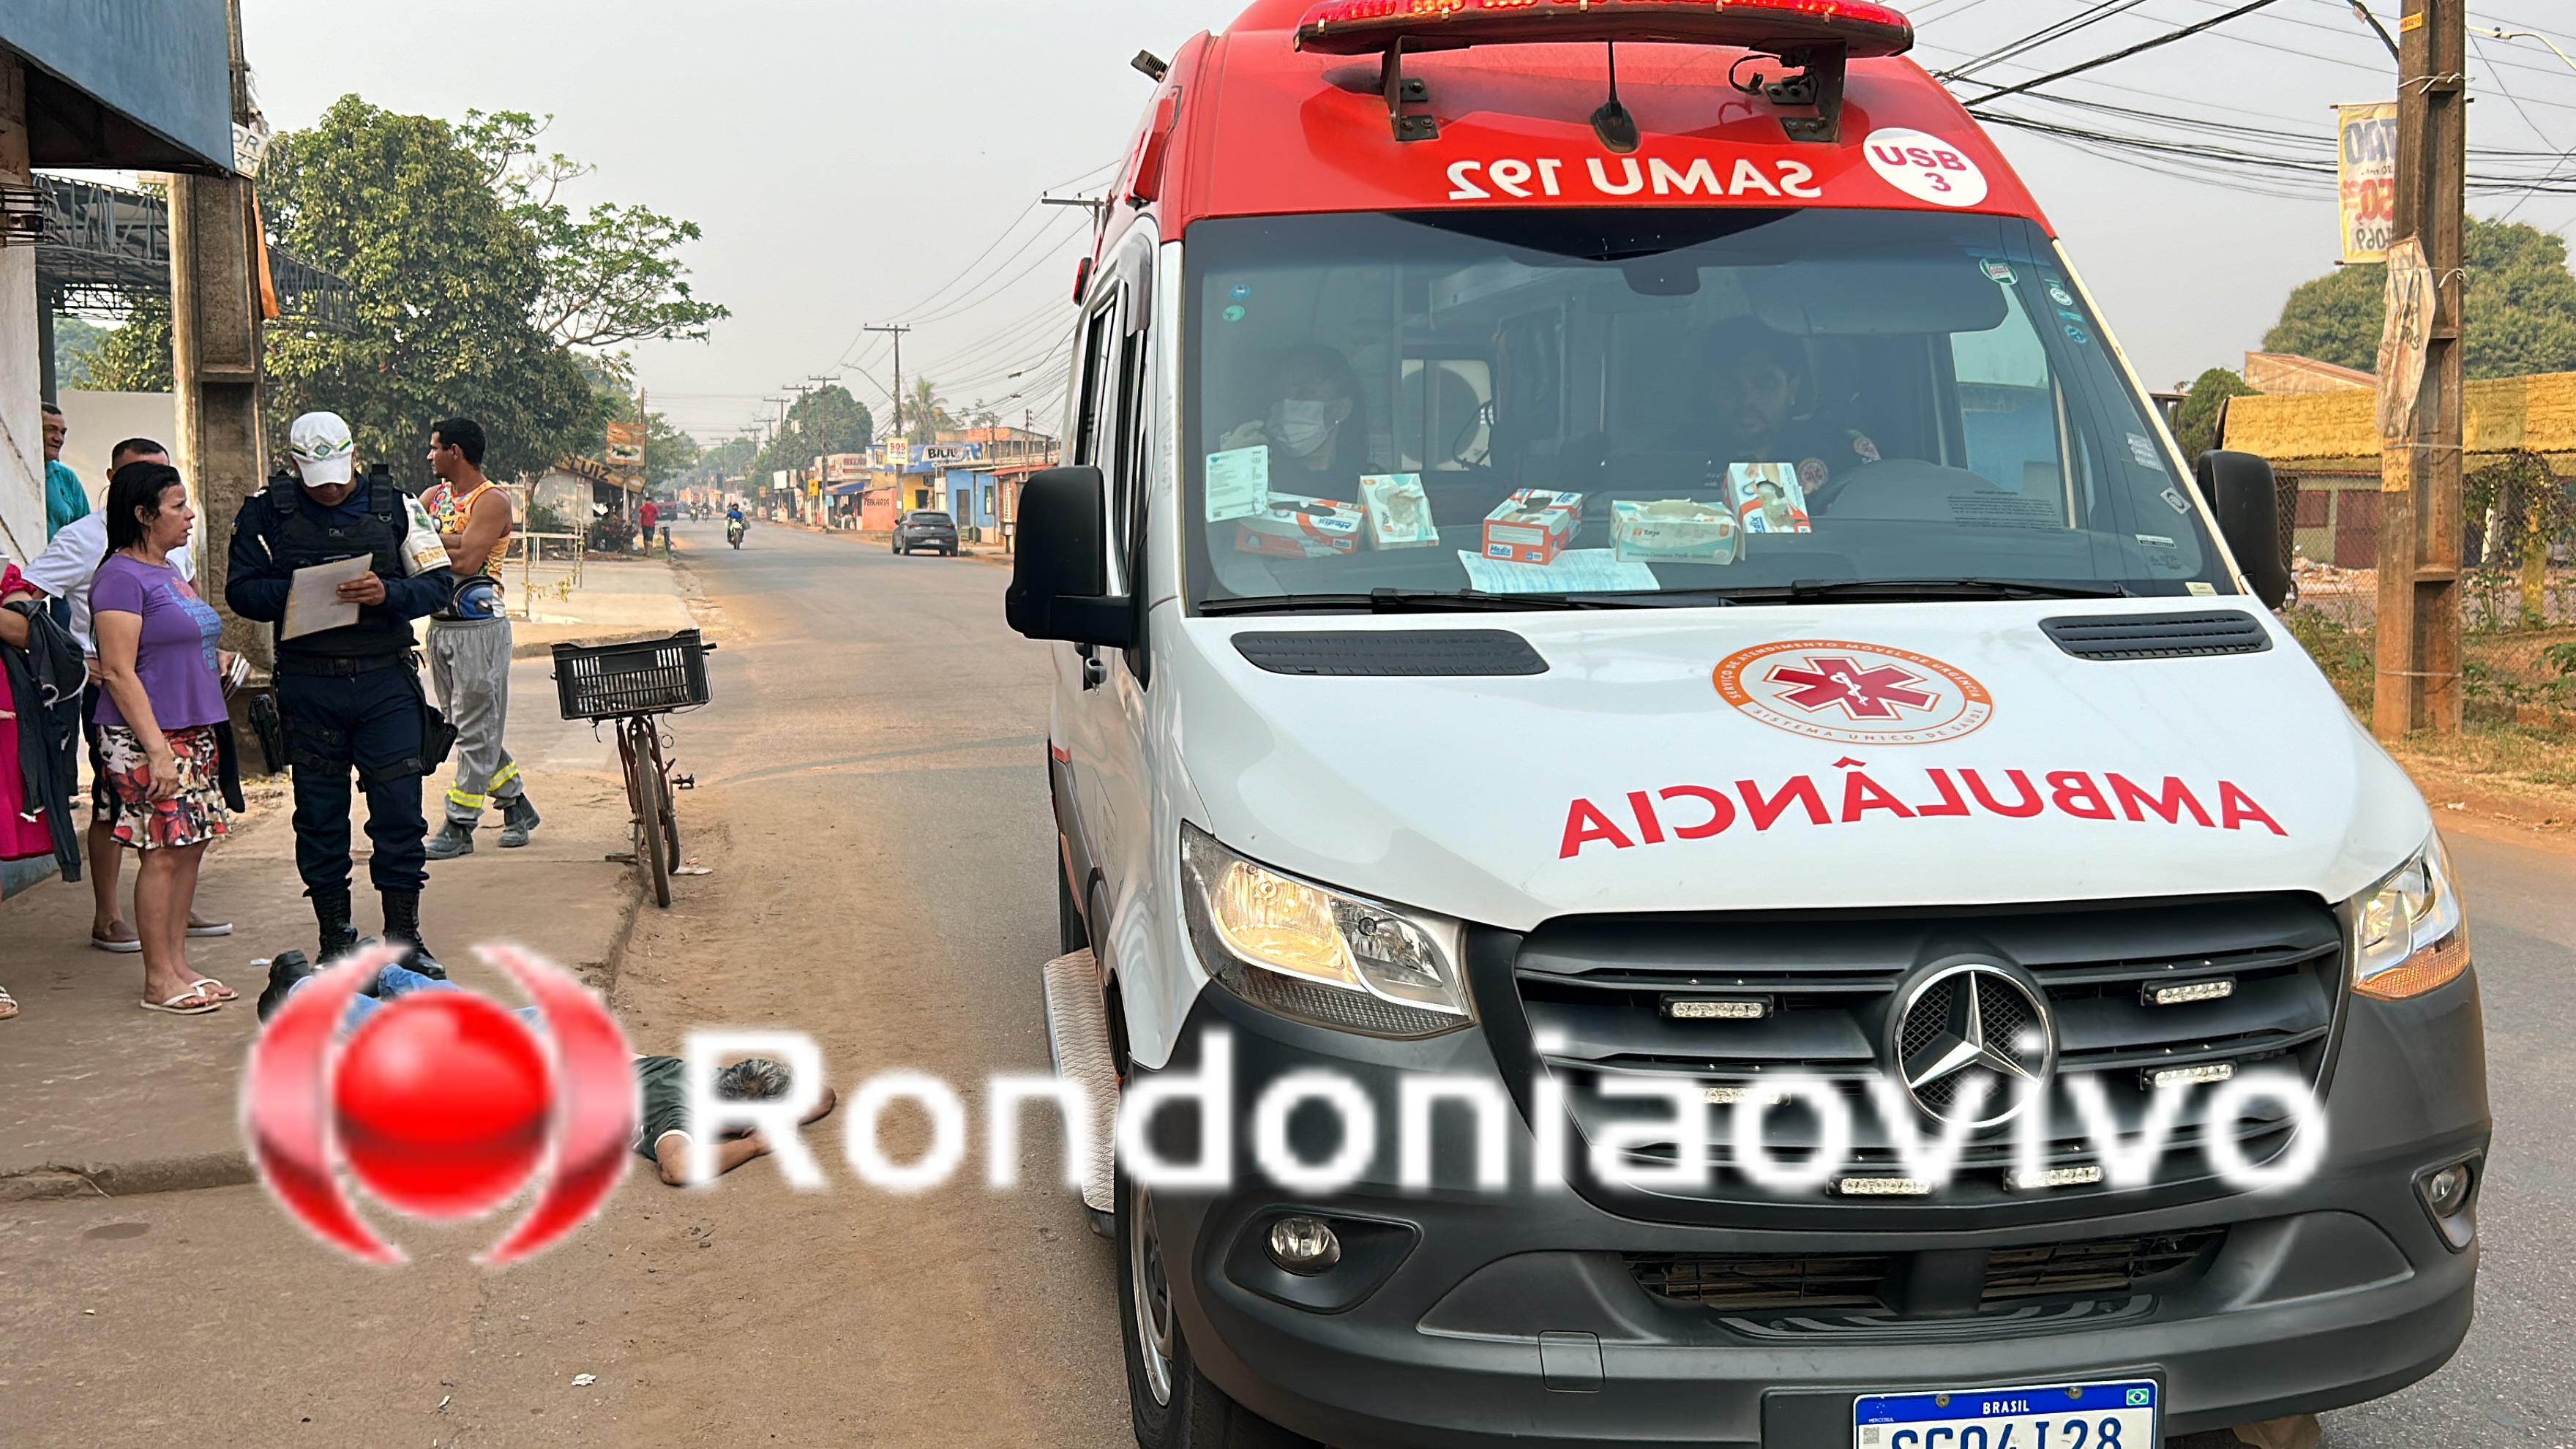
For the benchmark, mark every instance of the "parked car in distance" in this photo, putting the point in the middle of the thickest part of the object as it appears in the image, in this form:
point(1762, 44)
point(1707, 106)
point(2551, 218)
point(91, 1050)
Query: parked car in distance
point(926, 528)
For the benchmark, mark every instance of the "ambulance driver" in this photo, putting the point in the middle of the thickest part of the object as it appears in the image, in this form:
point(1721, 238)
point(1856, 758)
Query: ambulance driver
point(1758, 380)
point(1316, 427)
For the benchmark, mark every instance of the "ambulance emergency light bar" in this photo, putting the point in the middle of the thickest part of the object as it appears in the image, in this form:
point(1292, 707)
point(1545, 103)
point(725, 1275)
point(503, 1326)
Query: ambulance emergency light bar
point(1367, 27)
point(1819, 36)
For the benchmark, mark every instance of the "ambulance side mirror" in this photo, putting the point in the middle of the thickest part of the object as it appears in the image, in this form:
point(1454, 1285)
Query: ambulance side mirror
point(2247, 499)
point(1060, 573)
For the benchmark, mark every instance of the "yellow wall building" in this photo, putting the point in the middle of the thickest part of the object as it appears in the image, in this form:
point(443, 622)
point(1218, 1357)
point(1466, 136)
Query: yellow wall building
point(2328, 443)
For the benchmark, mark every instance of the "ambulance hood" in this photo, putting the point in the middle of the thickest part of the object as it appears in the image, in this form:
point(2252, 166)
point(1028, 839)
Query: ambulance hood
point(1758, 757)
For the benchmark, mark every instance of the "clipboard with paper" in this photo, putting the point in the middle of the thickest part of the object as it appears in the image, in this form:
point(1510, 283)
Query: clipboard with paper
point(313, 602)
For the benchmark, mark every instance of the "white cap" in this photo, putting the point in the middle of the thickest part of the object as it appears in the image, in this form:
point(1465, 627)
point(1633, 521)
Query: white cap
point(322, 449)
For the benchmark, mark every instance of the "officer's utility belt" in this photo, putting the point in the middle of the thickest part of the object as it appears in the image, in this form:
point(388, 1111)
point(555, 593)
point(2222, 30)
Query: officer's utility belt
point(328, 667)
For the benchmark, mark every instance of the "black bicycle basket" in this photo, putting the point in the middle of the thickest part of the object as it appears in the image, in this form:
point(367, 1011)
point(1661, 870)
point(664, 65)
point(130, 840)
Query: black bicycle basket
point(648, 676)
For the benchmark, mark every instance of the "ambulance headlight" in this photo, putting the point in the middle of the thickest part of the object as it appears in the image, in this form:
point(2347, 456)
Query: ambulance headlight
point(1319, 955)
point(2409, 933)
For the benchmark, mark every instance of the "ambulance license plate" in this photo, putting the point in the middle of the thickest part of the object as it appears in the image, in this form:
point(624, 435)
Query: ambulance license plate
point(2058, 1416)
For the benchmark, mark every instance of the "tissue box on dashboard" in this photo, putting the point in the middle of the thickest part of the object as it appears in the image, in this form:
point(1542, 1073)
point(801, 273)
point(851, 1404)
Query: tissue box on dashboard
point(1397, 512)
point(1532, 526)
point(1675, 530)
point(1296, 527)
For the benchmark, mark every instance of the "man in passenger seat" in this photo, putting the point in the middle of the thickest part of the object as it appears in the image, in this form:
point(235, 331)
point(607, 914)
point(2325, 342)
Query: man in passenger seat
point(1758, 380)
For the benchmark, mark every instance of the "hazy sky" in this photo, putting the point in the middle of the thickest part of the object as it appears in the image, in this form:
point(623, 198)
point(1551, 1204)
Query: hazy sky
point(848, 157)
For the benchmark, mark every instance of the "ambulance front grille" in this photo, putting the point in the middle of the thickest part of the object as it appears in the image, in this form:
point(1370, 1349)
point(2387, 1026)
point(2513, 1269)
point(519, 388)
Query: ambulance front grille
point(1598, 995)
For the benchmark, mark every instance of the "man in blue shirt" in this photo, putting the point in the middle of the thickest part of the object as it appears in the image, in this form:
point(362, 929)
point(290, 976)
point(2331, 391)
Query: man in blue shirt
point(66, 501)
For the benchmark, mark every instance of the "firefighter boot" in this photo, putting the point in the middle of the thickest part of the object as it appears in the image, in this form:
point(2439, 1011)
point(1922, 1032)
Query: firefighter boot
point(518, 817)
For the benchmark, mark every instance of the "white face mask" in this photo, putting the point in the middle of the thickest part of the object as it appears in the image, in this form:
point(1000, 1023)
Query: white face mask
point(1299, 428)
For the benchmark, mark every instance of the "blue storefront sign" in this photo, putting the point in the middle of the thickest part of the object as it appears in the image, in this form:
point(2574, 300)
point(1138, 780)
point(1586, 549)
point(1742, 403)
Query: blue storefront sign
point(128, 83)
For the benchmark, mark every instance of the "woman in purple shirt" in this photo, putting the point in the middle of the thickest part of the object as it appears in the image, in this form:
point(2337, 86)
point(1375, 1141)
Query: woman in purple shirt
point(156, 649)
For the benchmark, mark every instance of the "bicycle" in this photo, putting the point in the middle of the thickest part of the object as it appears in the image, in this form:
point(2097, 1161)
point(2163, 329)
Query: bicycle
point(635, 685)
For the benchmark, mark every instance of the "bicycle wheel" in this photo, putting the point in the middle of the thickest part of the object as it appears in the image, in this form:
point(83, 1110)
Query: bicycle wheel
point(627, 764)
point(650, 806)
point(670, 814)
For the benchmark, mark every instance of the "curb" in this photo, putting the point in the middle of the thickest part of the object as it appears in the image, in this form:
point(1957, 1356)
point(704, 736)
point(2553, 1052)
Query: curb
point(587, 641)
point(56, 1181)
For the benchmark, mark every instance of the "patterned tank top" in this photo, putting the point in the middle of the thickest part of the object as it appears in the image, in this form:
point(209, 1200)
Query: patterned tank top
point(449, 510)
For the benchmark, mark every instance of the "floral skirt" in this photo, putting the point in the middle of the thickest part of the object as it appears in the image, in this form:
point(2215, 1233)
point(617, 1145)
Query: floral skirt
point(194, 816)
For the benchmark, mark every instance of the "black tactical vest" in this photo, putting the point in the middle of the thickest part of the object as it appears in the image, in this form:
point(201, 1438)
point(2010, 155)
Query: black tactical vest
point(300, 535)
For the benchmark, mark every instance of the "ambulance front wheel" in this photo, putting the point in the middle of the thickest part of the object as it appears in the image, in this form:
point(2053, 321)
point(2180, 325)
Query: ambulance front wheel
point(1174, 1405)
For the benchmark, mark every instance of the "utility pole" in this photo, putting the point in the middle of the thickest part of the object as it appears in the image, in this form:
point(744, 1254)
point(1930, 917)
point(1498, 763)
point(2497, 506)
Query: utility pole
point(1097, 206)
point(215, 352)
point(897, 333)
point(2420, 518)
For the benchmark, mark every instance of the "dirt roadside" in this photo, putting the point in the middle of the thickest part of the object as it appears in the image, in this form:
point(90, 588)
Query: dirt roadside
point(2496, 807)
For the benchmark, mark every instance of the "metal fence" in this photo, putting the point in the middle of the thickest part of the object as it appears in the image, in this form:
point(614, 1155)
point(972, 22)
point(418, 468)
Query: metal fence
point(543, 565)
point(2518, 589)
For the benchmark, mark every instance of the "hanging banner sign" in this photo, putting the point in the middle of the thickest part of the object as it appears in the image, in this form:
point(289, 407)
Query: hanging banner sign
point(2367, 171)
point(626, 445)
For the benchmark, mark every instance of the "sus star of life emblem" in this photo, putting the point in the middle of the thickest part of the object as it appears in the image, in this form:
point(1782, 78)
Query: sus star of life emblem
point(1832, 689)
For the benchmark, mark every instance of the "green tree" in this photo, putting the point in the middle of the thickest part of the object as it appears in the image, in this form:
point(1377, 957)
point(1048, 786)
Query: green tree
point(729, 459)
point(2520, 317)
point(76, 342)
point(445, 281)
point(611, 275)
point(818, 424)
point(134, 356)
point(925, 412)
point(2196, 425)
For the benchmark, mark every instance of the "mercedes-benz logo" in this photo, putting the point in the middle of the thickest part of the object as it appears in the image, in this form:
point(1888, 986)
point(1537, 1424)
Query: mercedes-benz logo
point(1967, 1020)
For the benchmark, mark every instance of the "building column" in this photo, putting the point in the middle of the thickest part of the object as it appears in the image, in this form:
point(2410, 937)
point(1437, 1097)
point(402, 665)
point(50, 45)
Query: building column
point(215, 362)
point(22, 436)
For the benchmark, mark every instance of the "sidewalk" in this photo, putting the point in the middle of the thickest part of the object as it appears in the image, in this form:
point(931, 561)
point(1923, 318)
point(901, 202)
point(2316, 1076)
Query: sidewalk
point(98, 1096)
point(621, 598)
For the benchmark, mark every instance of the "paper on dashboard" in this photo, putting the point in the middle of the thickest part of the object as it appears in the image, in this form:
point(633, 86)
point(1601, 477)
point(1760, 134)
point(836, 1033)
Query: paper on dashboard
point(1576, 571)
point(313, 602)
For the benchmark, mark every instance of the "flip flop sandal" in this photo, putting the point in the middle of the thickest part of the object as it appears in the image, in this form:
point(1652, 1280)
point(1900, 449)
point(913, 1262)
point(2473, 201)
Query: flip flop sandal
point(213, 990)
point(8, 1007)
point(132, 947)
point(173, 1008)
point(212, 928)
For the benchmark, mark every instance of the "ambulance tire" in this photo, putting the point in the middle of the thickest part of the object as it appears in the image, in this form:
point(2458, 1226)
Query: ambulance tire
point(1189, 1412)
point(1071, 934)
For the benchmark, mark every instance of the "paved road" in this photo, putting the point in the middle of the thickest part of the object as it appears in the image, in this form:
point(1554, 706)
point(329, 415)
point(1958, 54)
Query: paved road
point(872, 809)
point(2511, 1385)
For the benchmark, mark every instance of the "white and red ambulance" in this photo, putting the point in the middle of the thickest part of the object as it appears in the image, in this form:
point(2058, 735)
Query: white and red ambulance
point(1609, 562)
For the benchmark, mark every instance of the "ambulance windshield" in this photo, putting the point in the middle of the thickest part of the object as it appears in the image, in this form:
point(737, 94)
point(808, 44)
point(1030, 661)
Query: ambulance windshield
point(1653, 407)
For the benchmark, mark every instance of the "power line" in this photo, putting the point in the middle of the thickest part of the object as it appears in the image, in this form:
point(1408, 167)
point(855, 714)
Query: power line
point(2100, 11)
point(2140, 48)
point(961, 309)
point(2166, 96)
point(2525, 199)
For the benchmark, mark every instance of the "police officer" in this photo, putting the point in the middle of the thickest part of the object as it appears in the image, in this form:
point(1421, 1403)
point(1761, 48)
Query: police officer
point(350, 696)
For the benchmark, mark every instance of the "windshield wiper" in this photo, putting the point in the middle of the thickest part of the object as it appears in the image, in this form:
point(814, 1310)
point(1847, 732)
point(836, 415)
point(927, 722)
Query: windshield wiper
point(1830, 590)
point(1422, 601)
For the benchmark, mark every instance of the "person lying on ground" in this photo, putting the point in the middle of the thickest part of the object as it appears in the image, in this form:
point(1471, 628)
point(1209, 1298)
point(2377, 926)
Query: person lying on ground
point(662, 1131)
